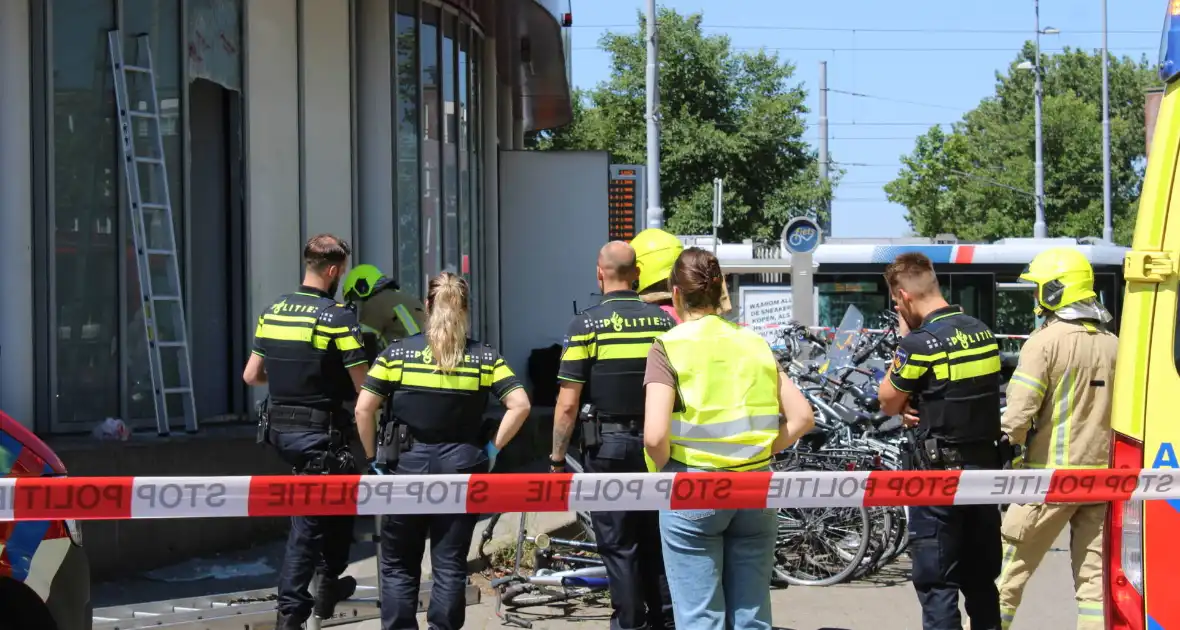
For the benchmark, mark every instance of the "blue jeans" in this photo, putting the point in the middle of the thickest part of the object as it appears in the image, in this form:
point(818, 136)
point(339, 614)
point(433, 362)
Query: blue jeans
point(719, 565)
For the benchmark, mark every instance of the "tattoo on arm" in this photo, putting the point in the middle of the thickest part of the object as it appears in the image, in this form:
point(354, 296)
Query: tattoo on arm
point(562, 431)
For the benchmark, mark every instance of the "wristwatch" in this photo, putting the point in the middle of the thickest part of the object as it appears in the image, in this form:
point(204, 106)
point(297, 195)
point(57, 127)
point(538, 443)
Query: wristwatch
point(556, 463)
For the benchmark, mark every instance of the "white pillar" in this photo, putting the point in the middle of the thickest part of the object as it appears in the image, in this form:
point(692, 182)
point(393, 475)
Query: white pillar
point(375, 136)
point(491, 196)
point(325, 71)
point(272, 150)
point(16, 215)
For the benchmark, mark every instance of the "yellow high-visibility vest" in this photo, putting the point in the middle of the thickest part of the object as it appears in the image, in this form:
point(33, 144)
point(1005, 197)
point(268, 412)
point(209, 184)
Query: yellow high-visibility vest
point(727, 381)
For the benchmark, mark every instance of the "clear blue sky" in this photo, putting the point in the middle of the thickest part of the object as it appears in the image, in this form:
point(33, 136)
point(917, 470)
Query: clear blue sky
point(868, 52)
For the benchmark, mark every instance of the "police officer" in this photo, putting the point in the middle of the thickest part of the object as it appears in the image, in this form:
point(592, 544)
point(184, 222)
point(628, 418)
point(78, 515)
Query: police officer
point(945, 380)
point(1059, 405)
point(385, 312)
point(307, 348)
point(436, 387)
point(606, 354)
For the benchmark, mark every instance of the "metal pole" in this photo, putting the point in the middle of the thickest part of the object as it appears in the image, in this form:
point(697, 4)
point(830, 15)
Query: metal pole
point(655, 214)
point(717, 188)
point(1107, 227)
point(1039, 224)
point(826, 224)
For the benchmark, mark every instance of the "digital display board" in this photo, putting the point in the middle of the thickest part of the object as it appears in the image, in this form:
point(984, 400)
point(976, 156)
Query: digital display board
point(625, 197)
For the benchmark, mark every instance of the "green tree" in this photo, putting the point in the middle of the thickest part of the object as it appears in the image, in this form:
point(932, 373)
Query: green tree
point(976, 180)
point(737, 116)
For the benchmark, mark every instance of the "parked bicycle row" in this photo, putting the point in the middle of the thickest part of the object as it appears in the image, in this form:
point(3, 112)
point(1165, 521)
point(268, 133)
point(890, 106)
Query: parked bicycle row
point(814, 546)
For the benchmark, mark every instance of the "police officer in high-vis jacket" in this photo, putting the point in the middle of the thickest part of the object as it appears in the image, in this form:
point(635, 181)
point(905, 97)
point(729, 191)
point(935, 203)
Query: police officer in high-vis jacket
point(945, 380)
point(1059, 405)
point(436, 387)
point(603, 362)
point(386, 313)
point(307, 349)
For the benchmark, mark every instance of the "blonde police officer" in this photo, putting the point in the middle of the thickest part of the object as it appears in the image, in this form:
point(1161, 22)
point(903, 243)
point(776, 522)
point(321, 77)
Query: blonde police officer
point(1059, 403)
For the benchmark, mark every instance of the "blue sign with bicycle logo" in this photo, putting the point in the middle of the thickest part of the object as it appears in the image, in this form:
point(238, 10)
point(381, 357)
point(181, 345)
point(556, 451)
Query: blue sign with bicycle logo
point(801, 236)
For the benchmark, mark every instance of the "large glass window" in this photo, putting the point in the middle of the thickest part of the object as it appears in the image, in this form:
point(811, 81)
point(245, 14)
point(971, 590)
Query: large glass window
point(160, 20)
point(431, 143)
point(464, 232)
point(839, 291)
point(409, 241)
point(86, 189)
point(451, 116)
point(474, 136)
point(438, 187)
point(97, 339)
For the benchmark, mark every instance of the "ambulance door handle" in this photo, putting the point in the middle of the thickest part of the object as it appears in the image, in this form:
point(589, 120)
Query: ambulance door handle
point(1150, 267)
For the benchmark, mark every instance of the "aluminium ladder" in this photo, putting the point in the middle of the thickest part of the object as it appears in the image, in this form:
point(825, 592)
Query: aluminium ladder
point(153, 233)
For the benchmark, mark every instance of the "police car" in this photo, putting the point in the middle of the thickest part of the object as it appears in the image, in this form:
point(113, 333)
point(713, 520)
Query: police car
point(44, 573)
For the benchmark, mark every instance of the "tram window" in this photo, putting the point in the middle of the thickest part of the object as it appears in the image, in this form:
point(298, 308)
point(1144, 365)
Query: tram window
point(1014, 315)
point(839, 291)
point(973, 292)
point(1104, 286)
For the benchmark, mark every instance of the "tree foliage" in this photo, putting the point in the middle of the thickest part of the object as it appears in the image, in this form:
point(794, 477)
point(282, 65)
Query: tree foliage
point(976, 181)
point(736, 116)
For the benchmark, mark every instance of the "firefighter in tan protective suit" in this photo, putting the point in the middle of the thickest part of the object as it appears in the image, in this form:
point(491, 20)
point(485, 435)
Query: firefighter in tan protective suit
point(1059, 403)
point(386, 314)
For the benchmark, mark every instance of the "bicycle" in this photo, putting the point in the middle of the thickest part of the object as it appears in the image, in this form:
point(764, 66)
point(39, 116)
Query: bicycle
point(563, 569)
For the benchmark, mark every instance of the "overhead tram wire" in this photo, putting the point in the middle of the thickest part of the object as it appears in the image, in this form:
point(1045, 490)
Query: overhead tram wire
point(848, 29)
point(1013, 49)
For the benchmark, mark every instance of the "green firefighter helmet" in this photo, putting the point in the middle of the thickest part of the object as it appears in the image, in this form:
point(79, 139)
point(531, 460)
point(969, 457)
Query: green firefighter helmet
point(361, 282)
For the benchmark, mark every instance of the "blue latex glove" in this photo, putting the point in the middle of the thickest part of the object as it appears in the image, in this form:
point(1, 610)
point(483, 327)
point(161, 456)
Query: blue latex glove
point(492, 452)
point(377, 469)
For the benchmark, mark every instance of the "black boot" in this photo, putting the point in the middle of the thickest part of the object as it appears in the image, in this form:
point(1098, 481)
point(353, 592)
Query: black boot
point(288, 622)
point(331, 591)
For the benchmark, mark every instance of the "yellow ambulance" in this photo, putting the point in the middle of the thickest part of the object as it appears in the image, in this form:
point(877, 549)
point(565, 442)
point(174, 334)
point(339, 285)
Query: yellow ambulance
point(1142, 555)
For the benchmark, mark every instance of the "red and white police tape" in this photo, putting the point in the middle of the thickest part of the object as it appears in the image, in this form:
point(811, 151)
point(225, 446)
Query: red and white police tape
point(101, 498)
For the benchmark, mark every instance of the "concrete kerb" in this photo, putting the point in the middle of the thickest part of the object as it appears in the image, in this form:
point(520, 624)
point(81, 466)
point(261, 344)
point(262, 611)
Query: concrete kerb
point(504, 537)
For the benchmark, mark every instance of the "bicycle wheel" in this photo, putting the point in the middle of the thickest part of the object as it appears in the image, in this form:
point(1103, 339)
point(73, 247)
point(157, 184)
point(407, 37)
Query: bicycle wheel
point(525, 594)
point(901, 535)
point(820, 547)
point(880, 537)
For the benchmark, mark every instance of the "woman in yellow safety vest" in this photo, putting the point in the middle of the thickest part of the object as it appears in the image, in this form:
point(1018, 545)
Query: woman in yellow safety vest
point(717, 401)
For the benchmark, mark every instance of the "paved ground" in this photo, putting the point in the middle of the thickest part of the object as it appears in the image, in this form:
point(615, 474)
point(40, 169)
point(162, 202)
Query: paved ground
point(884, 602)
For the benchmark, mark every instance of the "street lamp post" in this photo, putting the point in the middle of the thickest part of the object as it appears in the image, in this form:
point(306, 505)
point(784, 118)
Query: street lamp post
point(1039, 224)
point(1107, 227)
point(1039, 230)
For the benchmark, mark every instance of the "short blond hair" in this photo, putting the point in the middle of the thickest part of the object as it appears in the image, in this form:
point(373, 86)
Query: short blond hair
point(913, 272)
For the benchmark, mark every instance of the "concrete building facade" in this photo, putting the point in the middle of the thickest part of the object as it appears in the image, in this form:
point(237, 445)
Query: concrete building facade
point(377, 120)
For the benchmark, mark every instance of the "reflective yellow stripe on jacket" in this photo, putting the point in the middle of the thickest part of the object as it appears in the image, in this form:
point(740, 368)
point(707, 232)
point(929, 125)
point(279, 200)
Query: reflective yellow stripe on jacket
point(305, 329)
point(727, 380)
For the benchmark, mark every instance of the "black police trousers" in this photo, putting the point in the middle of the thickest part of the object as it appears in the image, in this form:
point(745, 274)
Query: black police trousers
point(956, 548)
point(629, 544)
point(403, 542)
point(316, 543)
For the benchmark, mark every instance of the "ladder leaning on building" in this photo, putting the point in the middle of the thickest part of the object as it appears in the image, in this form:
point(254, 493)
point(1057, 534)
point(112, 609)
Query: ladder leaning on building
point(153, 209)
